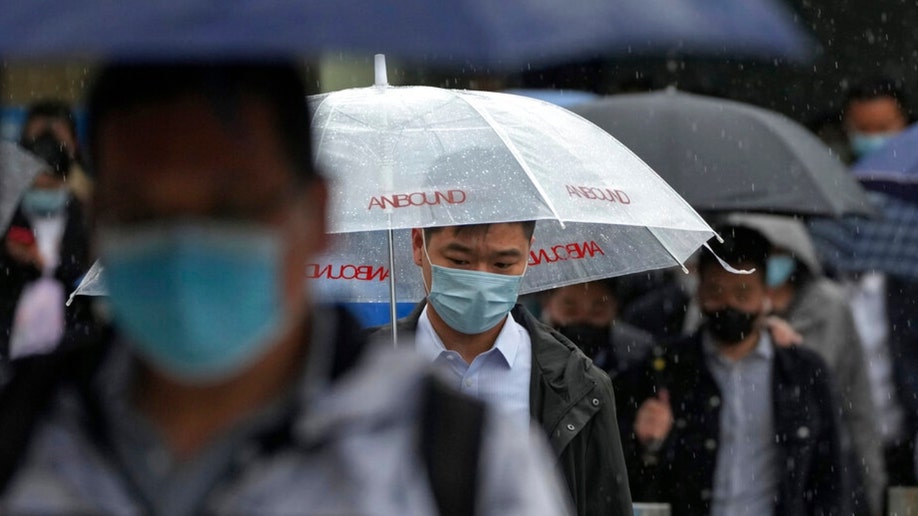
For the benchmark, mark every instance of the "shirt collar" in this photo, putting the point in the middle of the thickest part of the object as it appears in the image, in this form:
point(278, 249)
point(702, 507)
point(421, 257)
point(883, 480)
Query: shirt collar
point(429, 345)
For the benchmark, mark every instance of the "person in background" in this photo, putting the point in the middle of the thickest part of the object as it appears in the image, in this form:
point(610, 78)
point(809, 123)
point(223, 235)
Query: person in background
point(587, 313)
point(45, 253)
point(818, 309)
point(220, 387)
point(57, 117)
point(725, 422)
point(874, 111)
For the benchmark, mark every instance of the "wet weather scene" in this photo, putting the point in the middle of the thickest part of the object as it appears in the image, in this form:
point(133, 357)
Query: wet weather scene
point(466, 257)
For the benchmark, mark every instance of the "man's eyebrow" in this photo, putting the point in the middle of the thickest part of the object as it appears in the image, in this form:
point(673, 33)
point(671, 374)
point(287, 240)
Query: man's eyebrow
point(508, 253)
point(455, 246)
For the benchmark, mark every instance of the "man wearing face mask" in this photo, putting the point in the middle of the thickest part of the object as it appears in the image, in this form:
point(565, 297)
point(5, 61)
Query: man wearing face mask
point(45, 253)
point(818, 308)
point(587, 314)
point(874, 112)
point(220, 388)
point(493, 348)
point(725, 422)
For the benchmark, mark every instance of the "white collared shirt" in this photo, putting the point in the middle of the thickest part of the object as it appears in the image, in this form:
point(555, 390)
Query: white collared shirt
point(499, 376)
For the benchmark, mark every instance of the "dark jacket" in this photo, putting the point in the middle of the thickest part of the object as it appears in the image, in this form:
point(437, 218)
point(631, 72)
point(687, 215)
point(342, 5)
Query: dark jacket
point(572, 400)
point(74, 262)
point(682, 471)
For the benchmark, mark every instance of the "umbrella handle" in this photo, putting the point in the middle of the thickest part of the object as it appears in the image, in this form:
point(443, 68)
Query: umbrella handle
point(392, 307)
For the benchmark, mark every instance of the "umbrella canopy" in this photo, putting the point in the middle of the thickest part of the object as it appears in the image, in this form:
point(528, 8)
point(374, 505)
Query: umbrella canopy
point(888, 243)
point(407, 157)
point(893, 169)
point(509, 33)
point(18, 169)
point(785, 232)
point(729, 156)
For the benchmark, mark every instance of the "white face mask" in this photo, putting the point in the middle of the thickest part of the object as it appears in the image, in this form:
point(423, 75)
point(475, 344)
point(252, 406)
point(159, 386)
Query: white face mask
point(471, 302)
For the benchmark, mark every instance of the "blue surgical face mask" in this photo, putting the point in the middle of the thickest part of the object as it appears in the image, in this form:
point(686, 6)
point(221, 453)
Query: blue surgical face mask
point(199, 301)
point(44, 202)
point(863, 144)
point(779, 269)
point(471, 302)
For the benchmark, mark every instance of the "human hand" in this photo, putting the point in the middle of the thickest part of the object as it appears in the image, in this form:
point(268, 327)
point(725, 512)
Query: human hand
point(20, 245)
point(654, 420)
point(782, 332)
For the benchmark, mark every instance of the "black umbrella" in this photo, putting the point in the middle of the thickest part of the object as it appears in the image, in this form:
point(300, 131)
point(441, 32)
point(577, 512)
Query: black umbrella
point(722, 155)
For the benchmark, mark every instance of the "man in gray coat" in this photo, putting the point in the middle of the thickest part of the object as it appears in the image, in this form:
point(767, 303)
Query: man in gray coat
point(493, 348)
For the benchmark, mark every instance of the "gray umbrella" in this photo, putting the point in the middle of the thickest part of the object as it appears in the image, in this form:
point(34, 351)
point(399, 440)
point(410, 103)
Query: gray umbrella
point(18, 169)
point(722, 155)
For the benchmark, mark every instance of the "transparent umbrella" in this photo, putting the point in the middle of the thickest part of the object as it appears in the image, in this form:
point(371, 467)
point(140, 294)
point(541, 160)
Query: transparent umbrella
point(409, 157)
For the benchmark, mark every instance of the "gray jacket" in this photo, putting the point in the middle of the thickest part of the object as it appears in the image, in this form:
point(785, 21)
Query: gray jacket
point(821, 314)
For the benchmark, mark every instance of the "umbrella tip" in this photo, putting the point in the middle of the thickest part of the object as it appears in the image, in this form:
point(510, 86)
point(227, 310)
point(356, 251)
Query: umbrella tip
point(380, 68)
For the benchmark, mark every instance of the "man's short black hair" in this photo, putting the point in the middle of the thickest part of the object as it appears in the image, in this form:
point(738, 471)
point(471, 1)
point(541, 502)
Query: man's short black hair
point(528, 228)
point(872, 88)
point(122, 87)
point(49, 108)
point(51, 150)
point(742, 245)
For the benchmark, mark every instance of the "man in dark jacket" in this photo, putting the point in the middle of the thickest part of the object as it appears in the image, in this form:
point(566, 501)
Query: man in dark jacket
point(725, 422)
point(495, 349)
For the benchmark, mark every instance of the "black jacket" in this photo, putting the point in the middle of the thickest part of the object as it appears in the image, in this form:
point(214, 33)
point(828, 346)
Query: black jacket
point(682, 471)
point(572, 400)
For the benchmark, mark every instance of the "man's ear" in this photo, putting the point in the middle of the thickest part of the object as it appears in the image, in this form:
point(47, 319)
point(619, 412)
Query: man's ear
point(417, 246)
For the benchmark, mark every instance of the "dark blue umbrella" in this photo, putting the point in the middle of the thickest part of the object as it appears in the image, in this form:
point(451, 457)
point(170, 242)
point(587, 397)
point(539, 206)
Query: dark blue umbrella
point(888, 243)
point(893, 169)
point(504, 33)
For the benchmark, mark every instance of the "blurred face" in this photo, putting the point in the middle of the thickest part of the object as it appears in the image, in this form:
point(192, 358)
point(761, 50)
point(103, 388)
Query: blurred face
point(58, 127)
point(48, 181)
point(881, 115)
point(177, 161)
point(587, 303)
point(719, 289)
point(496, 248)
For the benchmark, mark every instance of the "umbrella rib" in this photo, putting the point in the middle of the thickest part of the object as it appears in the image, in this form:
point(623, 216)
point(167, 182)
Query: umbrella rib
point(515, 152)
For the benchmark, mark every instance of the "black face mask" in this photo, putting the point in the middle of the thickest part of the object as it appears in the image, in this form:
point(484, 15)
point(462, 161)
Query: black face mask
point(729, 325)
point(590, 339)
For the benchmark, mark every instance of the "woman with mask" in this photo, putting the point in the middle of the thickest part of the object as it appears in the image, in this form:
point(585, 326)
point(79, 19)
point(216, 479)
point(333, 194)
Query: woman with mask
point(44, 255)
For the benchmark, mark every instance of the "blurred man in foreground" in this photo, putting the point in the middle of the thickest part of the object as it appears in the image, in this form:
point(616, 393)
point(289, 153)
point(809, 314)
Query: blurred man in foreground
point(223, 389)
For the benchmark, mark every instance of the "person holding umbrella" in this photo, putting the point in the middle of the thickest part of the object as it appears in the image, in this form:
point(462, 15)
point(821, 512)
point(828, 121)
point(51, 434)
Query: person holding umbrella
point(221, 388)
point(492, 347)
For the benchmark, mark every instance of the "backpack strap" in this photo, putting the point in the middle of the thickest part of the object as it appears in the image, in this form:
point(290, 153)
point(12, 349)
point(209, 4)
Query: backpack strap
point(451, 437)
